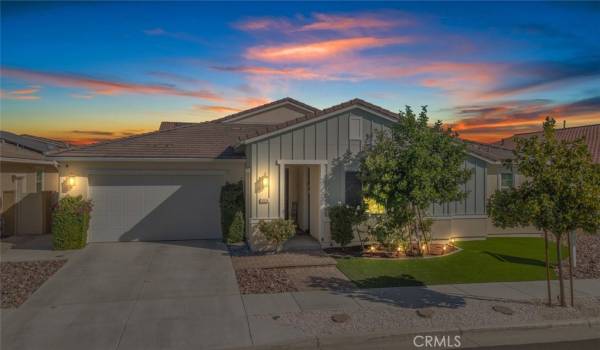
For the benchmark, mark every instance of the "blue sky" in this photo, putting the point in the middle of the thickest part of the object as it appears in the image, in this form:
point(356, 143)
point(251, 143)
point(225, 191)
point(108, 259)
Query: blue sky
point(88, 72)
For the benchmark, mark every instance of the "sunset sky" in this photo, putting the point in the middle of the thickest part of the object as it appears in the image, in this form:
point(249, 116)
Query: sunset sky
point(89, 72)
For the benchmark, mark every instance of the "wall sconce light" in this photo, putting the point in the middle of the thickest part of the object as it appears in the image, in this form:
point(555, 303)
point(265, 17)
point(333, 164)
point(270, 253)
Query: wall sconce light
point(71, 180)
point(265, 181)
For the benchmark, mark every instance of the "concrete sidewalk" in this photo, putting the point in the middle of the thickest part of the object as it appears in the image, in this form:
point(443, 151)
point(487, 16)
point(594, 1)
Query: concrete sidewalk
point(288, 317)
point(581, 337)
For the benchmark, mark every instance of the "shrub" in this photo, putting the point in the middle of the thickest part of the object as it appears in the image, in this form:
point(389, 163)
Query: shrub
point(343, 220)
point(277, 231)
point(232, 212)
point(70, 222)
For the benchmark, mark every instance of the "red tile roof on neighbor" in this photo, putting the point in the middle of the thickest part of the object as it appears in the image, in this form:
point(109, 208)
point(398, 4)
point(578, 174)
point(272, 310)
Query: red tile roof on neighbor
point(590, 133)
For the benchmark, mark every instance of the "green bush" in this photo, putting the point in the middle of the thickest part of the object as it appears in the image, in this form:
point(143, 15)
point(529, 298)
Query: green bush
point(70, 222)
point(343, 220)
point(232, 212)
point(277, 231)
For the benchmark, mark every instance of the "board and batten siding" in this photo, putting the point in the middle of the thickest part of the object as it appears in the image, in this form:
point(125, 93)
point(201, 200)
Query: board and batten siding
point(327, 139)
point(330, 139)
point(474, 204)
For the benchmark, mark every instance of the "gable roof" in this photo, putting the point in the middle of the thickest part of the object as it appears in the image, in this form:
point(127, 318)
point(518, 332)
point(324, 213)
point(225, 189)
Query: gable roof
point(591, 134)
point(309, 117)
point(299, 106)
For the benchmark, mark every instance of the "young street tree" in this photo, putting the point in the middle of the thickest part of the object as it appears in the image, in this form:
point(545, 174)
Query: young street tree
point(560, 194)
point(411, 167)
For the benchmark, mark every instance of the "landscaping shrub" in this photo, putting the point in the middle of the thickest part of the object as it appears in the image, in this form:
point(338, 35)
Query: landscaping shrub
point(344, 218)
point(70, 222)
point(232, 212)
point(277, 231)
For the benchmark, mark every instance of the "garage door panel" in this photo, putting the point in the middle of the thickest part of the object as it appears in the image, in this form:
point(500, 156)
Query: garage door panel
point(155, 207)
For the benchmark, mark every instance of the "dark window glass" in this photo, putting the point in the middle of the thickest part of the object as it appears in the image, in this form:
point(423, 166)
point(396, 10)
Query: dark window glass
point(353, 189)
point(506, 180)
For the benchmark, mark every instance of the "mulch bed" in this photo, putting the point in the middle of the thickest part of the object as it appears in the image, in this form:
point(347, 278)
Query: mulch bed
point(588, 257)
point(18, 280)
point(255, 281)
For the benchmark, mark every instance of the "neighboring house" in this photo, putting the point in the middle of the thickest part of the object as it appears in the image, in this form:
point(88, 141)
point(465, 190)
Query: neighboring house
point(165, 185)
point(590, 133)
point(29, 183)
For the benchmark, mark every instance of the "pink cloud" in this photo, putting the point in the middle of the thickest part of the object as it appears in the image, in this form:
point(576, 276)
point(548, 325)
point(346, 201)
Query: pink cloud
point(298, 73)
point(346, 22)
point(104, 87)
point(319, 50)
point(259, 24)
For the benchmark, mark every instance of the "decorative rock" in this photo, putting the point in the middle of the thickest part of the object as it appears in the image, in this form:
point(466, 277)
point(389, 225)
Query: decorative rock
point(503, 309)
point(340, 318)
point(425, 313)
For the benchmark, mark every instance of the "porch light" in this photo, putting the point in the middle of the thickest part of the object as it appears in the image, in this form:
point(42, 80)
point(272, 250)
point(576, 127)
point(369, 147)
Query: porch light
point(265, 181)
point(71, 180)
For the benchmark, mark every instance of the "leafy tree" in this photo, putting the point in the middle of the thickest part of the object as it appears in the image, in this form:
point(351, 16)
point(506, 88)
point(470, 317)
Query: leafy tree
point(560, 193)
point(409, 168)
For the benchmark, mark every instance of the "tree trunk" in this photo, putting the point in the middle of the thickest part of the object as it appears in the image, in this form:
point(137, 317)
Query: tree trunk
point(547, 268)
point(571, 270)
point(560, 272)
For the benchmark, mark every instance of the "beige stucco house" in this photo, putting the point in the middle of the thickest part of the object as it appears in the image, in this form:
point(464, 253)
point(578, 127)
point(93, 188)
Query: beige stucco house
point(293, 159)
point(29, 183)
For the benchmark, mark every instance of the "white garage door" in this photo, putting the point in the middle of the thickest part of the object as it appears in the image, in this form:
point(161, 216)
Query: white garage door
point(153, 207)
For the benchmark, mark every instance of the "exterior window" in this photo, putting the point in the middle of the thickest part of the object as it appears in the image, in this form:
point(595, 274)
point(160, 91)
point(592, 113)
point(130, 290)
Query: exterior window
point(39, 181)
point(507, 181)
point(353, 189)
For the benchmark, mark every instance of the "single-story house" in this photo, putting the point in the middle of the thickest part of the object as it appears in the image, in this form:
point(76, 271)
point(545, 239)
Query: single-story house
point(29, 183)
point(165, 185)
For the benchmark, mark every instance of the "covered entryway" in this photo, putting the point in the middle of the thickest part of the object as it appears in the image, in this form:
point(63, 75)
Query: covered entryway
point(155, 206)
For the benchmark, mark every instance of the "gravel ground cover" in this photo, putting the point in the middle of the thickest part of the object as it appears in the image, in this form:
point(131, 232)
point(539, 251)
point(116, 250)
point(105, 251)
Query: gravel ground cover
point(286, 272)
point(291, 259)
point(588, 257)
point(473, 314)
point(18, 280)
point(255, 281)
point(281, 280)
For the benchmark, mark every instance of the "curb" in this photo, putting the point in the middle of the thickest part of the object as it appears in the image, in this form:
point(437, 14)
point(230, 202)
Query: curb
point(357, 340)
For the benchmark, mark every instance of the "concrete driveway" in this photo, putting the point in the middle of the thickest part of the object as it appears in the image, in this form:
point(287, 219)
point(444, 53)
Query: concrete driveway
point(175, 295)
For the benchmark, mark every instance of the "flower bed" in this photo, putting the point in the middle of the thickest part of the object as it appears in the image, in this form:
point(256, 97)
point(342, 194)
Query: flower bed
point(375, 251)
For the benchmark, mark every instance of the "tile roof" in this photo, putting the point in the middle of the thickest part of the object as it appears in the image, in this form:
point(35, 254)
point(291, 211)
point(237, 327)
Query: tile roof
point(214, 139)
point(591, 134)
point(205, 140)
point(491, 152)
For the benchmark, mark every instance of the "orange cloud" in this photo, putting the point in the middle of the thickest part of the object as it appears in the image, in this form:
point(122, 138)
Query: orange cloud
point(319, 50)
point(218, 109)
point(104, 87)
point(21, 94)
point(492, 122)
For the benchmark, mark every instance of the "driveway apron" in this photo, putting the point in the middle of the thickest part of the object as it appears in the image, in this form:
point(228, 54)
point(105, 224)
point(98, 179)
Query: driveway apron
point(135, 295)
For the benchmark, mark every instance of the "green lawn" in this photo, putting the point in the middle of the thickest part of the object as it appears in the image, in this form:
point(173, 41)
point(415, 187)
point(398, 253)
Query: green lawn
point(491, 260)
